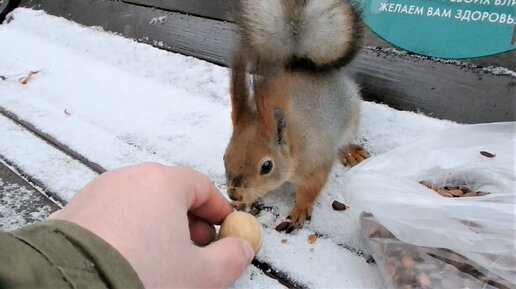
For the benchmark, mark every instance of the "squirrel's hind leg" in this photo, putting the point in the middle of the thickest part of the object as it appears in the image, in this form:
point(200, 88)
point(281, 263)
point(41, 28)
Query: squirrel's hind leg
point(352, 154)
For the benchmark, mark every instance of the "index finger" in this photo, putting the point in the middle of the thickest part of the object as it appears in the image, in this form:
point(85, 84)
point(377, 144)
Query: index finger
point(203, 199)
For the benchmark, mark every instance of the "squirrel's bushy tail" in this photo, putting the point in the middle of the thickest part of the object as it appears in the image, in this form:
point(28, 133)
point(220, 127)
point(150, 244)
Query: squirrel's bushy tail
point(315, 34)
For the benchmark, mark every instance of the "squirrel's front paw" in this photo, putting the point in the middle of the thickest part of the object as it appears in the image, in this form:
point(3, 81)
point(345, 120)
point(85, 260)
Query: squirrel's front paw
point(297, 218)
point(239, 205)
point(352, 155)
point(299, 215)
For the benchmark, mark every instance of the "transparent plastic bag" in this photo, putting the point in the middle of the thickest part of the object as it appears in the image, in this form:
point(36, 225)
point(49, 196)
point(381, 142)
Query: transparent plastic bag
point(408, 266)
point(481, 230)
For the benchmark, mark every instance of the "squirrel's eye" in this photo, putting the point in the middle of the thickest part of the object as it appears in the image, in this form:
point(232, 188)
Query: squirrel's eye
point(266, 167)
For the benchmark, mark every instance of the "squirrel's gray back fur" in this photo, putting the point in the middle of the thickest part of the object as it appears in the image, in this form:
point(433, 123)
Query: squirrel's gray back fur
point(314, 34)
point(325, 109)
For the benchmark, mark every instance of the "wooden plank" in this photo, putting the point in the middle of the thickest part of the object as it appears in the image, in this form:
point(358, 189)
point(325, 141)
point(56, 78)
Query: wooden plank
point(52, 141)
point(20, 203)
point(451, 91)
point(221, 10)
point(446, 91)
point(188, 35)
point(214, 9)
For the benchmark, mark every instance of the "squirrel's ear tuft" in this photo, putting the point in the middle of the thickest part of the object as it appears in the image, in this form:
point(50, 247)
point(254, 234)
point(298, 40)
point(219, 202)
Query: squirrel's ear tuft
point(281, 123)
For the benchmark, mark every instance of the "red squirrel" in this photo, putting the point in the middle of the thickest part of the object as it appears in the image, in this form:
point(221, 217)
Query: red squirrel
point(301, 113)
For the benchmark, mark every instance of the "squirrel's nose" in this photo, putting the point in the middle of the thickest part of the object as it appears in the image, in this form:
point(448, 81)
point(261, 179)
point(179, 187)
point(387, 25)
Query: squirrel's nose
point(232, 193)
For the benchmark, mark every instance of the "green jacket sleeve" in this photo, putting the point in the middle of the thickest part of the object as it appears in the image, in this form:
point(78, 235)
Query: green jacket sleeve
point(58, 254)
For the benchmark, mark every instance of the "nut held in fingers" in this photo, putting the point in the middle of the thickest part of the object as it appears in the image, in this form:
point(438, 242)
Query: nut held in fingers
point(244, 226)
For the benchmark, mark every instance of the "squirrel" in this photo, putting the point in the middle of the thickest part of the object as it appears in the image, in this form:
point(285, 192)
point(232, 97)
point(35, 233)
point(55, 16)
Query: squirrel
point(301, 113)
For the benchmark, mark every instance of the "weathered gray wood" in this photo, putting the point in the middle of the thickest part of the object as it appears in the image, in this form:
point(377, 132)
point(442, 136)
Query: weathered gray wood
point(446, 91)
point(20, 203)
point(215, 9)
point(195, 36)
point(221, 9)
point(450, 91)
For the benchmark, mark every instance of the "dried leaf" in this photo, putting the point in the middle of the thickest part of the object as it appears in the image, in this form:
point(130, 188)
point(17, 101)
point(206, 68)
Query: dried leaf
point(312, 238)
point(24, 80)
point(3, 77)
point(66, 112)
point(284, 241)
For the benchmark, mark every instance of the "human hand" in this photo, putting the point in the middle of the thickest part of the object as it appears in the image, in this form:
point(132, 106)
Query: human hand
point(151, 214)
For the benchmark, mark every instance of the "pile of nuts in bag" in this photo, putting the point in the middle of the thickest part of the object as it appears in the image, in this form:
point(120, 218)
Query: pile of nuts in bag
point(406, 266)
point(454, 191)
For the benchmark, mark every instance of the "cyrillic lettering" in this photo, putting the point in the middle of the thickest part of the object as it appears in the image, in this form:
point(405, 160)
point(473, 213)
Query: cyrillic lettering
point(466, 16)
point(485, 15)
point(495, 19)
point(383, 6)
point(476, 15)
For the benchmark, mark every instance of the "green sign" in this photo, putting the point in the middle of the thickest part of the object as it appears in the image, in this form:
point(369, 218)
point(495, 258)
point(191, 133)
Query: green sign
point(451, 29)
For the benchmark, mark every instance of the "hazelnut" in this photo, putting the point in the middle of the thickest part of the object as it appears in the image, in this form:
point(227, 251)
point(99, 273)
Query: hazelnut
point(244, 226)
point(407, 262)
point(456, 193)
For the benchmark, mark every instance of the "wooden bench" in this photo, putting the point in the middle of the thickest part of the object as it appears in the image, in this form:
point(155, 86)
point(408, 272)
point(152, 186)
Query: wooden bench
point(467, 91)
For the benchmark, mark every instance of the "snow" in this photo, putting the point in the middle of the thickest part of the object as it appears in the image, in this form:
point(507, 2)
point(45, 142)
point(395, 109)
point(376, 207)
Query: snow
point(118, 102)
point(158, 20)
point(58, 171)
point(14, 198)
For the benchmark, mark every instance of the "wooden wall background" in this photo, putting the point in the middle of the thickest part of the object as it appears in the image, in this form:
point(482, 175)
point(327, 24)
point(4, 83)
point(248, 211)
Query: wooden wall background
point(467, 91)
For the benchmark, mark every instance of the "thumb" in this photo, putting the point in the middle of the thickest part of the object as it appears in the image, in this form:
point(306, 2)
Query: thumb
point(228, 257)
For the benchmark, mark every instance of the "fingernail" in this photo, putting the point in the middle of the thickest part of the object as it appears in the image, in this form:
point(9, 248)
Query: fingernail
point(248, 251)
